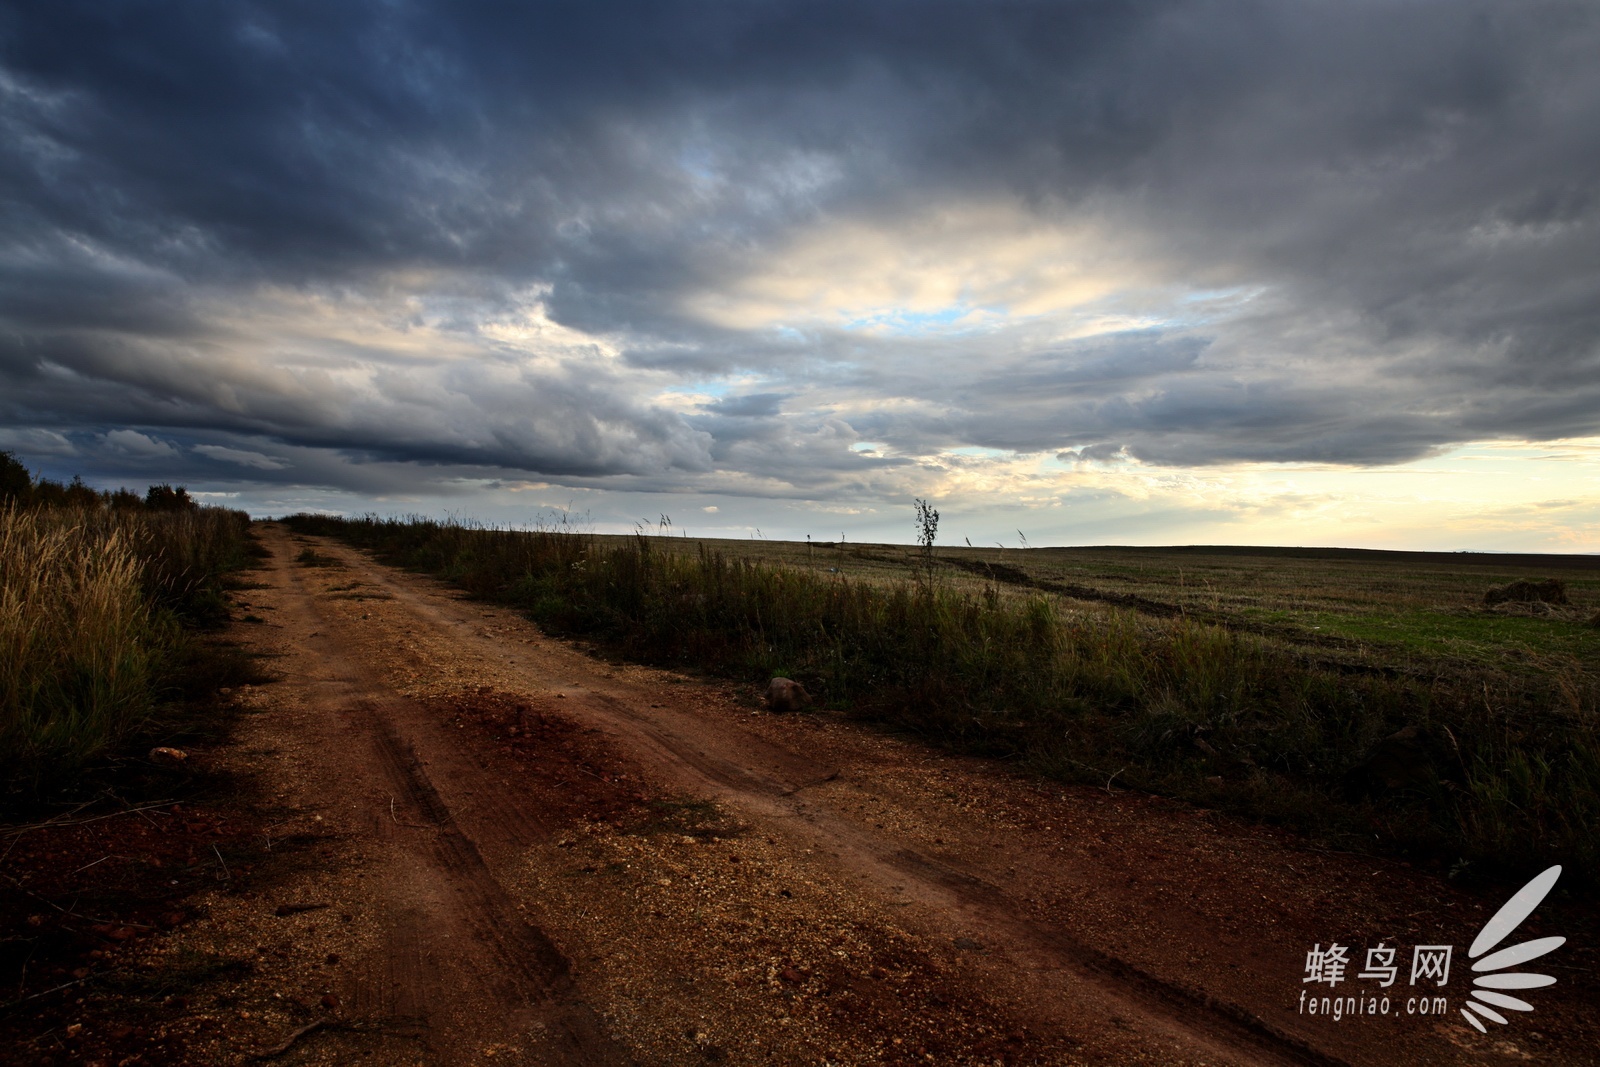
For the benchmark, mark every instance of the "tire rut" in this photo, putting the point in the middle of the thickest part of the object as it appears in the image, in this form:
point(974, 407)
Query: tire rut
point(459, 966)
point(767, 781)
point(1226, 1023)
point(529, 967)
point(1196, 1017)
point(1206, 1019)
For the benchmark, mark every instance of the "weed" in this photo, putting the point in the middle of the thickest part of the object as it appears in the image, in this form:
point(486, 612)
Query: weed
point(927, 526)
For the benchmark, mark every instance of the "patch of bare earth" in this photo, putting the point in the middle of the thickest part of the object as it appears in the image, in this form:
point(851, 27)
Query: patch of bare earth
point(89, 903)
point(521, 854)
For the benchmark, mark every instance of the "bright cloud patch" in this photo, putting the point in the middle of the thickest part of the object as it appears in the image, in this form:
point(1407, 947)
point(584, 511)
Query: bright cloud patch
point(965, 267)
point(35, 442)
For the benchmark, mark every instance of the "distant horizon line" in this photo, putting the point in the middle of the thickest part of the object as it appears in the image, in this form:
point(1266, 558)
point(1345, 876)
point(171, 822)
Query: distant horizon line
point(1577, 559)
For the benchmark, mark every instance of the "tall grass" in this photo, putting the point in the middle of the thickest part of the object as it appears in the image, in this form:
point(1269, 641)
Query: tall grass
point(92, 606)
point(1168, 705)
point(186, 556)
point(78, 639)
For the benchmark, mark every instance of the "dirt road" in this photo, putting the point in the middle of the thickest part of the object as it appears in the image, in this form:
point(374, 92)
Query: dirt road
point(523, 854)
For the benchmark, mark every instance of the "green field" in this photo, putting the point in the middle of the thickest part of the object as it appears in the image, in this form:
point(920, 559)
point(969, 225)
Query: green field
point(1409, 611)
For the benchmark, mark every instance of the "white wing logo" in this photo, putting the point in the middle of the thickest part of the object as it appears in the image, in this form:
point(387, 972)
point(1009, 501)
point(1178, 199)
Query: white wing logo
point(1497, 930)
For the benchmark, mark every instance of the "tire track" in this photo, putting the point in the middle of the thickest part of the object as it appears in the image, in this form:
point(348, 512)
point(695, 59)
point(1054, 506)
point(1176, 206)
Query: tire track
point(459, 967)
point(768, 782)
point(815, 800)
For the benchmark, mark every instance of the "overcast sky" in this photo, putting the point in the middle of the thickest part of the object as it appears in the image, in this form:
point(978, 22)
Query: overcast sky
point(1277, 273)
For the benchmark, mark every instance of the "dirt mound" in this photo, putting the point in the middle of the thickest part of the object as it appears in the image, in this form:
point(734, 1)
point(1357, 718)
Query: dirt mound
point(1549, 591)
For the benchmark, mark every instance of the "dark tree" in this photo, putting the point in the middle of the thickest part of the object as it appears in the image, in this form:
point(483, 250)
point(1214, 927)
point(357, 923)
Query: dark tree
point(16, 484)
point(81, 496)
point(166, 498)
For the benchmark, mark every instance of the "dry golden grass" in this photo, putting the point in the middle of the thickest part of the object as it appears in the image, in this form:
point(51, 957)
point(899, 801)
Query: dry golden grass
point(78, 640)
point(91, 601)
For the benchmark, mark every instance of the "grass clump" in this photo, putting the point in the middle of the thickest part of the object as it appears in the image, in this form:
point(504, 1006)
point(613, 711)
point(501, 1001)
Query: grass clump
point(1504, 766)
point(80, 642)
point(100, 598)
point(310, 557)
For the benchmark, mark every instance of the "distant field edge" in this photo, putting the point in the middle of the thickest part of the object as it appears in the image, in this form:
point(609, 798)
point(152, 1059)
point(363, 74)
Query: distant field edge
point(1573, 561)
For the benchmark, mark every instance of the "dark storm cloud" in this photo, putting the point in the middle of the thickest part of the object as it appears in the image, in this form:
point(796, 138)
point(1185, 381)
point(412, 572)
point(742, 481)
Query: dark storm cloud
point(1412, 187)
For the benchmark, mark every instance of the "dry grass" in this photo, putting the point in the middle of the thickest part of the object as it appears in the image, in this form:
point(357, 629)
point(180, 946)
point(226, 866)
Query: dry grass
point(78, 639)
point(93, 603)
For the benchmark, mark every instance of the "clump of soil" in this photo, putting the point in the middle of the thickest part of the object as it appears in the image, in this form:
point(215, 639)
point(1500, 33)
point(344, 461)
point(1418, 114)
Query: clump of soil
point(1549, 591)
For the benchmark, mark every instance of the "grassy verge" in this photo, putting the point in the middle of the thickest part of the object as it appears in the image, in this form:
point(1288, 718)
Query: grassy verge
point(101, 613)
point(107, 603)
point(1500, 773)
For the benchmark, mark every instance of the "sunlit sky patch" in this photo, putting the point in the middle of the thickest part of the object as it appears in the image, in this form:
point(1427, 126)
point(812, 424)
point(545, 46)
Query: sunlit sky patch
point(1178, 272)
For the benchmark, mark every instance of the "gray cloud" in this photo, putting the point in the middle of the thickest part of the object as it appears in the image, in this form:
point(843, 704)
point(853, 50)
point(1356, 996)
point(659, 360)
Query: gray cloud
point(748, 406)
point(296, 243)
